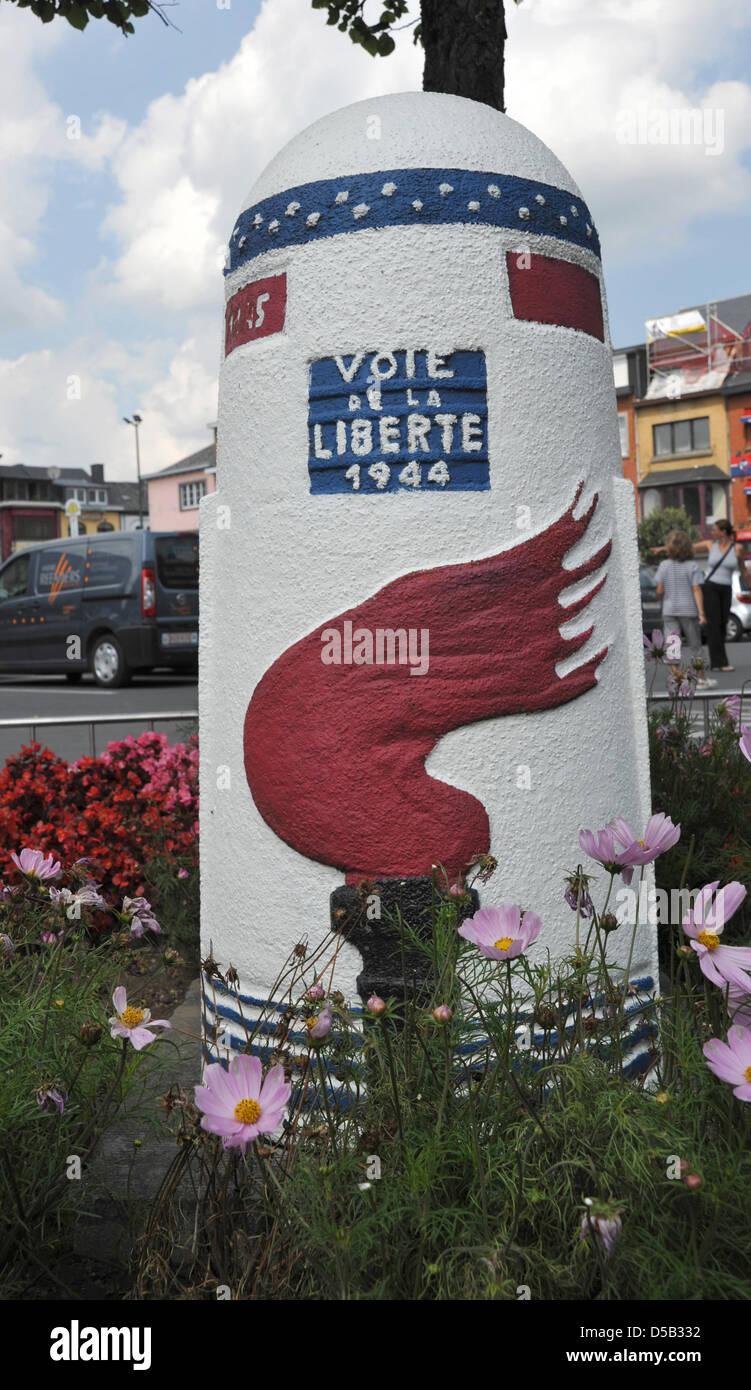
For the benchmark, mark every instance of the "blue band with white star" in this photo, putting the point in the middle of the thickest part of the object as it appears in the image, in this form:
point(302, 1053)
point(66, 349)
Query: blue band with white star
point(409, 198)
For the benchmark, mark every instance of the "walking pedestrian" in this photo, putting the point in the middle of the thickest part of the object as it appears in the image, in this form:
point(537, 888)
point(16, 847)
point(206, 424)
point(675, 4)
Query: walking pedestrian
point(679, 585)
point(725, 558)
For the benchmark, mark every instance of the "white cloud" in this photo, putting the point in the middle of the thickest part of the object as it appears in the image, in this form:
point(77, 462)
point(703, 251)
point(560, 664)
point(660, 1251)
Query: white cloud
point(64, 407)
point(575, 70)
point(182, 174)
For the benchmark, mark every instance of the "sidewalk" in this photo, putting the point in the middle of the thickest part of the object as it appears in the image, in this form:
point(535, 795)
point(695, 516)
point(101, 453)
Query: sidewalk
point(124, 1177)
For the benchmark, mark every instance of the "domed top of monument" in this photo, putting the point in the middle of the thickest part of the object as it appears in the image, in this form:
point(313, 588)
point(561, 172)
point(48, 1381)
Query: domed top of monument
point(411, 158)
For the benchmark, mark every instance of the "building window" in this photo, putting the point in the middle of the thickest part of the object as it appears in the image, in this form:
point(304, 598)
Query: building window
point(623, 427)
point(96, 494)
point(702, 501)
point(620, 370)
point(681, 436)
point(33, 528)
point(191, 494)
point(79, 493)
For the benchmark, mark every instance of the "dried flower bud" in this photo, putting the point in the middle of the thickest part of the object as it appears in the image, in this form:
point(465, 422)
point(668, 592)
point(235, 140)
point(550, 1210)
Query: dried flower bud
point(609, 922)
point(89, 1033)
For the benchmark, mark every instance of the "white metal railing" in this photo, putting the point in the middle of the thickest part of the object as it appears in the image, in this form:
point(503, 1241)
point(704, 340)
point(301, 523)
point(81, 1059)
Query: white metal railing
point(92, 720)
point(703, 698)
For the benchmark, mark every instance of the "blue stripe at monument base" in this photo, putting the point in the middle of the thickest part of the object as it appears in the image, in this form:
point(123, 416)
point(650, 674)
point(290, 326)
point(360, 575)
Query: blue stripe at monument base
point(324, 208)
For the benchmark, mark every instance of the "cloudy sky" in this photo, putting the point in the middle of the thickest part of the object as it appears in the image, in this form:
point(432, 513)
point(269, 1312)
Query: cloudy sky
point(120, 158)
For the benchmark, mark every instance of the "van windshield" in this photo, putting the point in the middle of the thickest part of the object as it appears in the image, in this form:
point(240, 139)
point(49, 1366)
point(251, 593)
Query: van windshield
point(177, 561)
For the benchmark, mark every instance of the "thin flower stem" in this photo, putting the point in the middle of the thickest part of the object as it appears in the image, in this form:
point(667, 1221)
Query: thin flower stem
point(324, 1093)
point(392, 1074)
point(58, 954)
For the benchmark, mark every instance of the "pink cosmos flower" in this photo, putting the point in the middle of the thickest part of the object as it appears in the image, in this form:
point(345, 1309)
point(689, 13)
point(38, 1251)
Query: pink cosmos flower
point(316, 991)
point(52, 1098)
point(659, 836)
point(600, 845)
point(654, 650)
point(86, 896)
point(319, 1025)
point(50, 938)
point(730, 707)
point(739, 1005)
point(141, 917)
point(34, 864)
point(501, 933)
point(685, 689)
point(131, 1023)
point(704, 923)
point(238, 1104)
point(182, 873)
point(457, 891)
point(607, 1226)
point(745, 742)
point(731, 1061)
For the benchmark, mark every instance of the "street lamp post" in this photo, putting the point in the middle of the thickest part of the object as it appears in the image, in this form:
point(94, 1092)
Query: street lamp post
point(135, 422)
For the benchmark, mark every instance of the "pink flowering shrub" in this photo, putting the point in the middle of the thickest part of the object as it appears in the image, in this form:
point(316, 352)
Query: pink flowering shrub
point(132, 813)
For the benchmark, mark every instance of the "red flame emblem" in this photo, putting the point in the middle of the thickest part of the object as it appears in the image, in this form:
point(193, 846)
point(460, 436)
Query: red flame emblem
point(335, 754)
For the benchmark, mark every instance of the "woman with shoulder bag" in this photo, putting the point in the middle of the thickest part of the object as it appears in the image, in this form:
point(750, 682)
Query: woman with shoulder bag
point(724, 559)
point(678, 581)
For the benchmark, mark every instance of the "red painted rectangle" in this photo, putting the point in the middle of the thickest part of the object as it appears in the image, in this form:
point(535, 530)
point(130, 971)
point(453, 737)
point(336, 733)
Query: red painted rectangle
point(547, 290)
point(256, 311)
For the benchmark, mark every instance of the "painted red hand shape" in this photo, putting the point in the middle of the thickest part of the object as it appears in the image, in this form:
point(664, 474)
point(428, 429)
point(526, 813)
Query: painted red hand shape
point(335, 754)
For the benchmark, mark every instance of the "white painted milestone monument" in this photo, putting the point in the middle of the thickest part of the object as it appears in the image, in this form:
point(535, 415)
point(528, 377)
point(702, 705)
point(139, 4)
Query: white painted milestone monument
point(420, 613)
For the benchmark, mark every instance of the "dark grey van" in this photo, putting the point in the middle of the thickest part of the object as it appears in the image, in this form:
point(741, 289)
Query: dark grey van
point(111, 604)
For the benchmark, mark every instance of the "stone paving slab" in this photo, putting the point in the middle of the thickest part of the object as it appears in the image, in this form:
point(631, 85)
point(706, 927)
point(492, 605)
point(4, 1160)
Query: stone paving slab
point(123, 1178)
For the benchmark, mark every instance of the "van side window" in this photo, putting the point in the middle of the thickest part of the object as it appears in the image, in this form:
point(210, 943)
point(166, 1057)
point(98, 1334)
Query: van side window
point(177, 561)
point(14, 579)
point(108, 566)
point(59, 571)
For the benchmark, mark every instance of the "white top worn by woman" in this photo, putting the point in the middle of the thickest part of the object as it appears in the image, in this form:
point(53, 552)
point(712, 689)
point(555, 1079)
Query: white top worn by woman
point(724, 572)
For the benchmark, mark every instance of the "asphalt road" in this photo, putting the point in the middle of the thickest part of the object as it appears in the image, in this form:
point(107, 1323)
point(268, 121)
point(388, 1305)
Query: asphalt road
point(52, 697)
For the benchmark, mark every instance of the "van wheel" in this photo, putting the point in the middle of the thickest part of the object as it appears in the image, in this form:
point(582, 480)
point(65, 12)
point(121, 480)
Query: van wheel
point(734, 630)
point(108, 663)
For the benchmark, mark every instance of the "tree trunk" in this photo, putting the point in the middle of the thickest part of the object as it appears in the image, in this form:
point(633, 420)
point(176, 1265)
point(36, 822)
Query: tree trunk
point(463, 41)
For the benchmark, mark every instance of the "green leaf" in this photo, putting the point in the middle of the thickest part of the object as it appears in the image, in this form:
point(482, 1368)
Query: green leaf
point(77, 16)
point(386, 45)
point(44, 10)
